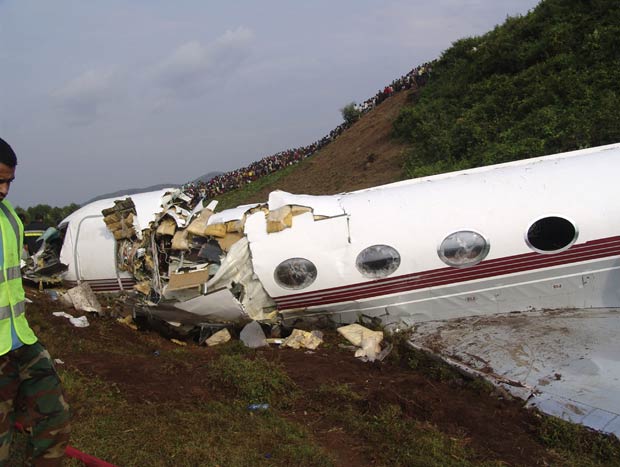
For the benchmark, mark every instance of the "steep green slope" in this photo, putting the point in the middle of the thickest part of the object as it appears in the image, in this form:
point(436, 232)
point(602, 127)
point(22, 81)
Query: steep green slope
point(539, 84)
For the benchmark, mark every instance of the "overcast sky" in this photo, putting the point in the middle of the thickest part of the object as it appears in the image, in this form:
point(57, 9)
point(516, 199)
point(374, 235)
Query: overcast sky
point(102, 95)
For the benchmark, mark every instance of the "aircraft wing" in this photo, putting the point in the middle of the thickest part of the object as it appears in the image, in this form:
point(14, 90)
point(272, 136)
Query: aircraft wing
point(563, 362)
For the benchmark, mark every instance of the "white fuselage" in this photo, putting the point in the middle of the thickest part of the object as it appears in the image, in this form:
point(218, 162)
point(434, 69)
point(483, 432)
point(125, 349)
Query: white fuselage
point(498, 203)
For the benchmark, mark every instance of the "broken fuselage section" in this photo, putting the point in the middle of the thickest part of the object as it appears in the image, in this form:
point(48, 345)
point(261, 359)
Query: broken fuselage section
point(533, 234)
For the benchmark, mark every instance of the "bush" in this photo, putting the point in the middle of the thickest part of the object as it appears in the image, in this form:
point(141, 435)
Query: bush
point(350, 113)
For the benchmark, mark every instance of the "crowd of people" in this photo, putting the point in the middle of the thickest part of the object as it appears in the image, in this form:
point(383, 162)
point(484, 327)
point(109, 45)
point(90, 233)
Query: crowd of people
point(415, 79)
point(234, 179)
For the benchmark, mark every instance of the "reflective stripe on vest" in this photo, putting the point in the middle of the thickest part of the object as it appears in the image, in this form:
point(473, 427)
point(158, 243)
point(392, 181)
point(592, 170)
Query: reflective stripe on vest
point(18, 309)
point(33, 233)
point(11, 219)
point(11, 273)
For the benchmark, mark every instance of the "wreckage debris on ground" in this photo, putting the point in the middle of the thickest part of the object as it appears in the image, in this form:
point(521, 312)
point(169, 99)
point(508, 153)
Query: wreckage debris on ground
point(365, 342)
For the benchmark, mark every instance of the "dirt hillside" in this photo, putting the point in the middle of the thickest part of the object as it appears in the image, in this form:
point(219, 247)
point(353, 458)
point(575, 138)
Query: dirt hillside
point(361, 157)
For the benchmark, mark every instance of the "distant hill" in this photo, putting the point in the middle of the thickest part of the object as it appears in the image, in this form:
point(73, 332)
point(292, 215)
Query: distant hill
point(132, 191)
point(541, 83)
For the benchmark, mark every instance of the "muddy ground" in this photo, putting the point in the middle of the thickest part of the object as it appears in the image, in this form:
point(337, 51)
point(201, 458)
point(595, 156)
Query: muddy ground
point(496, 428)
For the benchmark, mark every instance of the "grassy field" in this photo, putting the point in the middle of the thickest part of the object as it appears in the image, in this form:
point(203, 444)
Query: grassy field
point(140, 400)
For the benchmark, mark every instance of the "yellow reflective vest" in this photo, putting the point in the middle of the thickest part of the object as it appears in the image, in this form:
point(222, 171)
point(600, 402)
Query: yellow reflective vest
point(12, 304)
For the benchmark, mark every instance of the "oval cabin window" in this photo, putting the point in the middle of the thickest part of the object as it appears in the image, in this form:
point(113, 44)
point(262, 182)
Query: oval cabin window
point(463, 249)
point(295, 273)
point(377, 261)
point(551, 235)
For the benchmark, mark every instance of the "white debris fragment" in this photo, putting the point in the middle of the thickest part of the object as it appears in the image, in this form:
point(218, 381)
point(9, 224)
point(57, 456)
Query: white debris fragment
point(305, 339)
point(252, 335)
point(82, 298)
point(220, 337)
point(368, 341)
point(81, 322)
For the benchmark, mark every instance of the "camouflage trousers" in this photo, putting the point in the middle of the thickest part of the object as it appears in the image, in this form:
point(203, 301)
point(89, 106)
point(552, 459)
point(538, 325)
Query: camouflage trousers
point(30, 390)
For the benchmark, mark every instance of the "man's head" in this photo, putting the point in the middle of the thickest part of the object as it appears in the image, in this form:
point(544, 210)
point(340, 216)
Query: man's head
point(8, 161)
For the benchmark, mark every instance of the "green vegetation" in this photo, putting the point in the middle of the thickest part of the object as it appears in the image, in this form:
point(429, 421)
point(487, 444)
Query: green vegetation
point(213, 433)
point(392, 438)
point(539, 84)
point(595, 448)
point(51, 215)
point(248, 192)
point(350, 113)
point(253, 381)
point(412, 443)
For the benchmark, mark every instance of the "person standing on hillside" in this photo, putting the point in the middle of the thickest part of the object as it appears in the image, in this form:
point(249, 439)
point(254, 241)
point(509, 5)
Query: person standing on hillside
point(28, 379)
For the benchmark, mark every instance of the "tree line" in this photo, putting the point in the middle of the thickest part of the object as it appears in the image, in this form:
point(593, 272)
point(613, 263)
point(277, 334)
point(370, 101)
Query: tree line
point(51, 216)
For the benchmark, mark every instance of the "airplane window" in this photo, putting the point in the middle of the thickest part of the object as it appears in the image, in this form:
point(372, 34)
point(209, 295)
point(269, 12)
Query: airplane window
point(295, 273)
point(551, 234)
point(463, 248)
point(377, 261)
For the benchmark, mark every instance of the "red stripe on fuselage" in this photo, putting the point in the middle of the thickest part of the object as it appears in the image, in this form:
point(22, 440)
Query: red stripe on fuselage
point(594, 249)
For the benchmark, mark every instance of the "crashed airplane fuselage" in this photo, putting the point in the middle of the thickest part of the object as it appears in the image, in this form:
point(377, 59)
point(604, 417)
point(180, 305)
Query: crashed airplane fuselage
point(479, 259)
point(533, 234)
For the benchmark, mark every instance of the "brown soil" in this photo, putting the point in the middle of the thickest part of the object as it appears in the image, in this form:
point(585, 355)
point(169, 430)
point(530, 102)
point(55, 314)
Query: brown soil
point(496, 429)
point(361, 157)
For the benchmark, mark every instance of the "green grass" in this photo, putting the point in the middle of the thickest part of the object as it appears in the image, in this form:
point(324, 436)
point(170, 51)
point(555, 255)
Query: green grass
point(579, 446)
point(391, 438)
point(243, 194)
point(220, 433)
point(253, 381)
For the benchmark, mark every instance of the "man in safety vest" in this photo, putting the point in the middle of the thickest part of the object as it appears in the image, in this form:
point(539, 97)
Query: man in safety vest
point(27, 373)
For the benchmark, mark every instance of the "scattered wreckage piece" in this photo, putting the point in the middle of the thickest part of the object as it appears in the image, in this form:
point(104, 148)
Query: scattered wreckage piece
point(299, 339)
point(79, 322)
point(220, 337)
point(367, 341)
point(44, 265)
point(563, 362)
point(253, 336)
point(82, 298)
